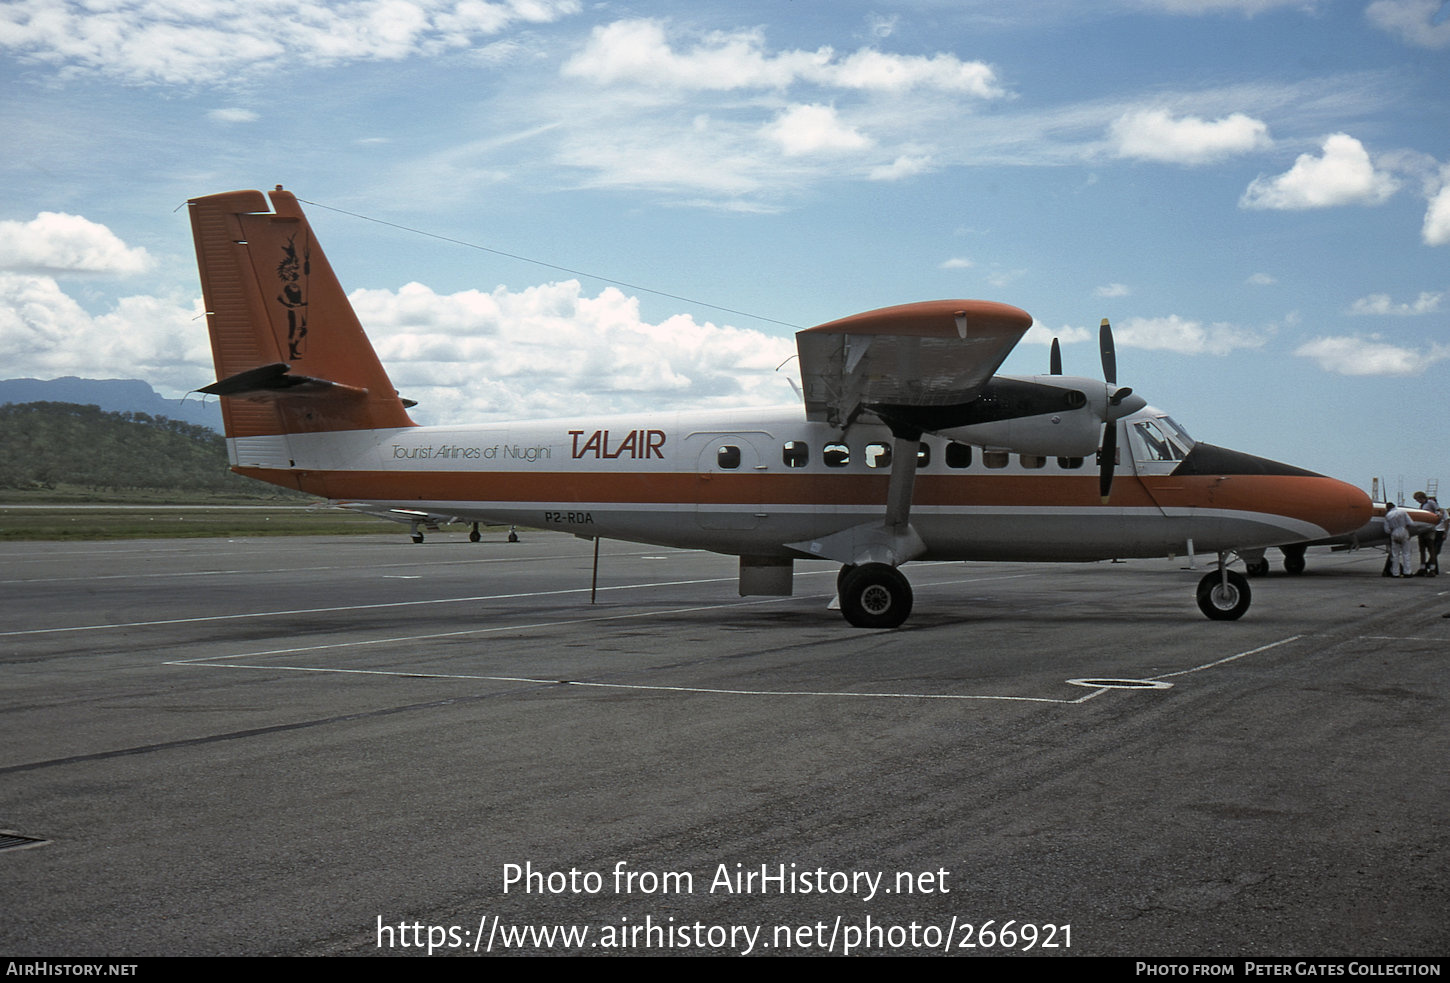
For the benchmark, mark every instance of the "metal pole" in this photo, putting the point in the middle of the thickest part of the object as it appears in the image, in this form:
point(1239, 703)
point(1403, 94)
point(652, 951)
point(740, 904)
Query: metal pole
point(594, 582)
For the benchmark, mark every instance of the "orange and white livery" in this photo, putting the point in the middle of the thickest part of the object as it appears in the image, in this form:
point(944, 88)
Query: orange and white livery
point(908, 445)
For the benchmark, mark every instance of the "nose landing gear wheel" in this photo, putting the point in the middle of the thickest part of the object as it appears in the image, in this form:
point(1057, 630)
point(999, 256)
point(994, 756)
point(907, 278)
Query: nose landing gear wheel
point(1224, 601)
point(875, 595)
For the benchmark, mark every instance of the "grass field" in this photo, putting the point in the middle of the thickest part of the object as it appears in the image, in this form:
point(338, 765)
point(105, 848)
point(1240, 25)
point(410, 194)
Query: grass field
point(130, 521)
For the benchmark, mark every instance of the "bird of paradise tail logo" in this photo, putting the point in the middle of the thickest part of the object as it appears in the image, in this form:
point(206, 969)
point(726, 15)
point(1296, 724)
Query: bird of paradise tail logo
point(292, 273)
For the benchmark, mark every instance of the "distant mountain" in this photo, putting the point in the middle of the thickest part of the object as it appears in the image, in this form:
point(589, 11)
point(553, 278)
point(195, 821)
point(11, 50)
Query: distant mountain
point(113, 396)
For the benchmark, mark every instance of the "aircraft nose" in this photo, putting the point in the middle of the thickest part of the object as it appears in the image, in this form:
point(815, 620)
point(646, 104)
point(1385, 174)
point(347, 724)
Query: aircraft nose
point(1334, 506)
point(1352, 504)
point(1260, 484)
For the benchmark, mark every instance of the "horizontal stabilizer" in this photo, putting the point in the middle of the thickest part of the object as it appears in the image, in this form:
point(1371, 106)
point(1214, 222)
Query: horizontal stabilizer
point(277, 380)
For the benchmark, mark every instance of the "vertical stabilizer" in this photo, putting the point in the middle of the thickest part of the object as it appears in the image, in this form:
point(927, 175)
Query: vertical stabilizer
point(290, 354)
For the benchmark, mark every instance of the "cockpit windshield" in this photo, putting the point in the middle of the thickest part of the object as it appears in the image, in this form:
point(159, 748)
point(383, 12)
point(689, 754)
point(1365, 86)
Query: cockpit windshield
point(1169, 424)
point(1160, 439)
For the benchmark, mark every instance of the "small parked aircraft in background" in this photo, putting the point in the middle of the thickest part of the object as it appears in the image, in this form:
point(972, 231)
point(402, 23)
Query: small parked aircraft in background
point(908, 446)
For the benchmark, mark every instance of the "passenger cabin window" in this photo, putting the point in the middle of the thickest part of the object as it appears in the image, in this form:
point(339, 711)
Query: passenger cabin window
point(923, 454)
point(1032, 462)
point(958, 455)
point(728, 457)
point(1069, 463)
point(836, 455)
point(795, 454)
point(995, 459)
point(878, 455)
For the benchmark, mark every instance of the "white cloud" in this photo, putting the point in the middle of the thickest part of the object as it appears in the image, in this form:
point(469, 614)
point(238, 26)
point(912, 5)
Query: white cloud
point(638, 52)
point(814, 129)
point(1155, 135)
point(1248, 8)
point(727, 121)
point(1345, 175)
point(1174, 334)
point(1355, 355)
point(232, 115)
point(880, 72)
point(1436, 231)
point(1262, 280)
point(164, 41)
point(957, 263)
point(1040, 334)
point(1415, 22)
point(44, 333)
point(1112, 290)
point(550, 350)
point(902, 167)
point(1381, 305)
point(56, 242)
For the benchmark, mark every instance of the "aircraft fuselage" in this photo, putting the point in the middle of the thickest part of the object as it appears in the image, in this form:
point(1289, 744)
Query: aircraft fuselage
point(746, 483)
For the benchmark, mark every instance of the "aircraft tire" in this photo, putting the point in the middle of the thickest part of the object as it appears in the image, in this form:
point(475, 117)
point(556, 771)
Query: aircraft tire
point(1222, 602)
point(846, 571)
point(1294, 561)
point(1257, 568)
point(417, 537)
point(875, 595)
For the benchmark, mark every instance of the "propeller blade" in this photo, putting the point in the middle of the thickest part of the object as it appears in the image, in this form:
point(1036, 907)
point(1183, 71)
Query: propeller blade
point(1055, 360)
point(1110, 358)
point(1109, 454)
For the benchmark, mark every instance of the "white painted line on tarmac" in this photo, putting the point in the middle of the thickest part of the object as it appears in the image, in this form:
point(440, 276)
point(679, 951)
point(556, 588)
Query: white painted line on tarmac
point(1228, 659)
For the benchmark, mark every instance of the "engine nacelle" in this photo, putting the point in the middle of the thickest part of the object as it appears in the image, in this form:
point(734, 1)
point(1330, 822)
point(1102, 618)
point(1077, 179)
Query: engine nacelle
point(1047, 415)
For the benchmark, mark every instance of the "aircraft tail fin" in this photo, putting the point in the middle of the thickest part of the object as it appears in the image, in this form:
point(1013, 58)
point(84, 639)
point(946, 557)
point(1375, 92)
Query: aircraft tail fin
point(290, 354)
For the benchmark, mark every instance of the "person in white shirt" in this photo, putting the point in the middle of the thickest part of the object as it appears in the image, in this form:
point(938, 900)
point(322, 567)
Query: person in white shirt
point(1397, 524)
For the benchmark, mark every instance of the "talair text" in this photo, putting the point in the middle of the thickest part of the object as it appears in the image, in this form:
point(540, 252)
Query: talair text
point(637, 444)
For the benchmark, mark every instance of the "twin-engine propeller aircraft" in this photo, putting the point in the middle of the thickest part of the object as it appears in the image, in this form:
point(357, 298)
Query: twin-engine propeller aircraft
point(909, 446)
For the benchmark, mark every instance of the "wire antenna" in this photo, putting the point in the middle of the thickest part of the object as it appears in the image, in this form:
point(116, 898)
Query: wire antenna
point(552, 266)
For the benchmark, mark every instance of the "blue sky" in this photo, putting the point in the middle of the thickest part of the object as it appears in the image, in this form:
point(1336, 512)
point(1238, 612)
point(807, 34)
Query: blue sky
point(1256, 192)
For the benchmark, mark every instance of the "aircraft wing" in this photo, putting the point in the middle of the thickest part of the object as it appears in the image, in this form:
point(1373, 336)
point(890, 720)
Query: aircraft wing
point(921, 357)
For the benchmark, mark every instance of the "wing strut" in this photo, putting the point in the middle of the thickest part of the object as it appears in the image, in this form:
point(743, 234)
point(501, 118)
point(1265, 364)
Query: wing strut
point(891, 541)
point(904, 456)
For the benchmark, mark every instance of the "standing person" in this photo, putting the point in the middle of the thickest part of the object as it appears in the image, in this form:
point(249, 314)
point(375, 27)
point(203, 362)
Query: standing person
point(1397, 524)
point(1431, 541)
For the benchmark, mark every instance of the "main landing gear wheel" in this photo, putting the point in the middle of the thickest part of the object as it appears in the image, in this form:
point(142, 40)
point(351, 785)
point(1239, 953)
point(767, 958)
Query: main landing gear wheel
point(1257, 568)
point(1294, 560)
point(1224, 601)
point(875, 595)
